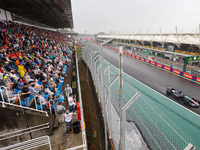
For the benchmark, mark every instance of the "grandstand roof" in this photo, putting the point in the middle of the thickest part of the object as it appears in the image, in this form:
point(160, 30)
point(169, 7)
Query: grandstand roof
point(54, 13)
point(180, 39)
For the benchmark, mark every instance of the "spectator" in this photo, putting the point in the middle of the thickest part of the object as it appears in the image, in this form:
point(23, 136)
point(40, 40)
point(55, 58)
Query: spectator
point(68, 121)
point(21, 69)
point(13, 98)
point(37, 72)
point(56, 98)
point(43, 101)
point(71, 103)
point(7, 81)
point(68, 90)
point(26, 94)
point(13, 76)
point(28, 78)
point(46, 90)
point(20, 84)
point(51, 84)
point(60, 109)
point(33, 90)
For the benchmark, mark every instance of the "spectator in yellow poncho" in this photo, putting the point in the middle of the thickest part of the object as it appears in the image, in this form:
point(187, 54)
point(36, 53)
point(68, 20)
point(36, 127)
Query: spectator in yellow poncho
point(21, 69)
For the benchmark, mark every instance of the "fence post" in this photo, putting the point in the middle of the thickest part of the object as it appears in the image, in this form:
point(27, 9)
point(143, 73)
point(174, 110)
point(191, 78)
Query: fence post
point(95, 71)
point(109, 105)
point(101, 90)
point(49, 143)
point(126, 106)
point(20, 102)
point(98, 74)
point(3, 105)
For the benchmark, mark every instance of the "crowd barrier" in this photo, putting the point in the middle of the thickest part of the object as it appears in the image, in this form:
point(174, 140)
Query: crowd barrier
point(167, 68)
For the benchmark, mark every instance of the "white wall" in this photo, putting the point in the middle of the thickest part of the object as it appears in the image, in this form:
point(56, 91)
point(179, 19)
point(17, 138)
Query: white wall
point(3, 15)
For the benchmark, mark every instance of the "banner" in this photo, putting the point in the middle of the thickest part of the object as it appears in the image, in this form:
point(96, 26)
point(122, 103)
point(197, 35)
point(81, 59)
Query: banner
point(159, 65)
point(198, 79)
point(167, 68)
point(176, 71)
point(187, 75)
point(153, 63)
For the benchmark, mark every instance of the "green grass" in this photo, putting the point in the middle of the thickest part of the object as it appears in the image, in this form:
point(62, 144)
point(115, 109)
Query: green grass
point(78, 50)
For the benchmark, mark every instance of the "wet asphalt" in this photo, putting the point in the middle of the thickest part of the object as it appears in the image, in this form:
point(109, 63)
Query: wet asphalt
point(154, 77)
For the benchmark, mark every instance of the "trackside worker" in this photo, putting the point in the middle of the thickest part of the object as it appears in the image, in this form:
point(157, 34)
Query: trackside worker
point(68, 121)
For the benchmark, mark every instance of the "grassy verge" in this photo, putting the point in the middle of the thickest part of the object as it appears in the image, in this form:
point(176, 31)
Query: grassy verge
point(78, 50)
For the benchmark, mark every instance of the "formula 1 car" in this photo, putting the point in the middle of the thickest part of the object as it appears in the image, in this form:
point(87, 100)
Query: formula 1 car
point(198, 101)
point(178, 94)
point(169, 90)
point(190, 101)
point(175, 93)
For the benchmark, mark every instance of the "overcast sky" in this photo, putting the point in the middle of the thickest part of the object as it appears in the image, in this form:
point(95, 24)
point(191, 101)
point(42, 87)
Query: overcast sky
point(132, 16)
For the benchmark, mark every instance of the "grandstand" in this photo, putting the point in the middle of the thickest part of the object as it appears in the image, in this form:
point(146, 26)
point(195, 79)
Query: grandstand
point(177, 48)
point(184, 43)
point(59, 11)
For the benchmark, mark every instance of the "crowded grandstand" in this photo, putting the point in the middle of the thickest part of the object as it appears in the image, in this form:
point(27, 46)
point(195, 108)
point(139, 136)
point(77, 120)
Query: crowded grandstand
point(32, 60)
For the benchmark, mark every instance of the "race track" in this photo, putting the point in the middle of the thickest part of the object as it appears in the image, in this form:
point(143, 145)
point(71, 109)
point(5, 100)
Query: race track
point(154, 77)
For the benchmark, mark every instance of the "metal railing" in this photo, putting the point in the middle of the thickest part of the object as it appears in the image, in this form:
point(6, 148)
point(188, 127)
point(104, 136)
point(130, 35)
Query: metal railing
point(30, 144)
point(84, 138)
point(4, 103)
point(160, 120)
point(24, 131)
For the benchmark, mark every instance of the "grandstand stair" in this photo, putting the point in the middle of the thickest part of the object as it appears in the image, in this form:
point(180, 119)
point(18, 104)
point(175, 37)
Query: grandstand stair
point(14, 119)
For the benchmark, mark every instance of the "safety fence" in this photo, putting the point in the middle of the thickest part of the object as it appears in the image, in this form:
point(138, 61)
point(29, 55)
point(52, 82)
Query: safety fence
point(163, 123)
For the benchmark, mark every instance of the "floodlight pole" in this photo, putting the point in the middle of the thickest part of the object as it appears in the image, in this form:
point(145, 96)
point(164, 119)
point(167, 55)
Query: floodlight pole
point(120, 92)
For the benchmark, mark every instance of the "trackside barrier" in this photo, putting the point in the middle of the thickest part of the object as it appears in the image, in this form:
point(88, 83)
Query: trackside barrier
point(84, 138)
point(164, 123)
point(167, 68)
point(24, 131)
point(30, 144)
